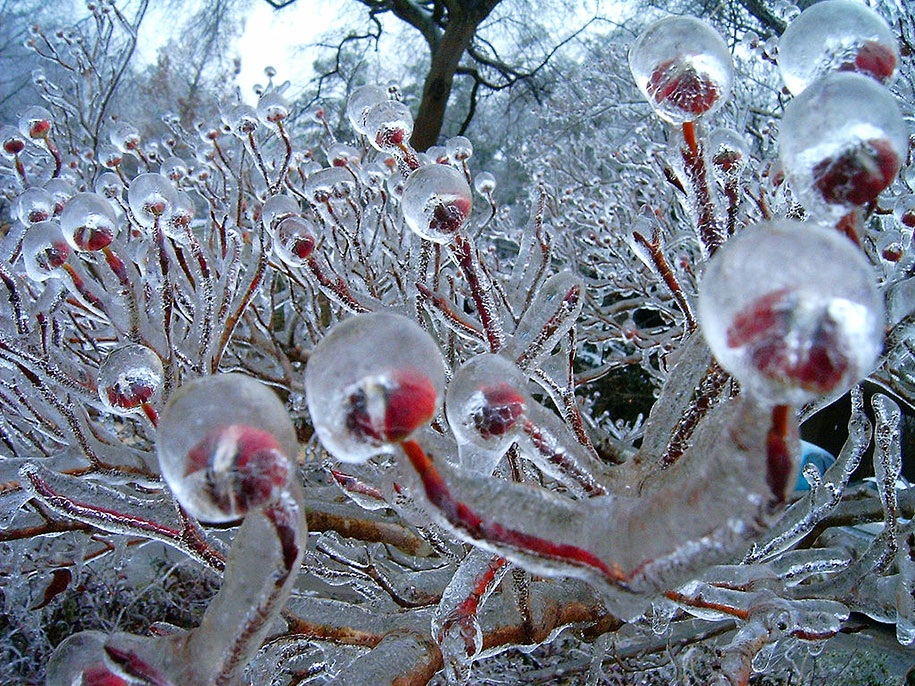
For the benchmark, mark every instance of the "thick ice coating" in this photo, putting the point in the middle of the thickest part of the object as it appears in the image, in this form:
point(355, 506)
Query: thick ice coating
point(371, 382)
point(224, 444)
point(44, 251)
point(360, 102)
point(486, 402)
point(388, 124)
point(436, 202)
point(88, 222)
point(128, 378)
point(842, 142)
point(792, 310)
point(683, 68)
point(836, 35)
point(152, 198)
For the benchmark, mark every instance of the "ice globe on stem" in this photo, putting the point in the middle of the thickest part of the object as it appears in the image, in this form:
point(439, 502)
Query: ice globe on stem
point(130, 380)
point(836, 35)
point(294, 240)
point(34, 205)
point(436, 202)
point(152, 199)
point(88, 222)
point(388, 125)
point(371, 382)
point(224, 444)
point(35, 122)
point(44, 251)
point(275, 209)
point(793, 311)
point(683, 68)
point(842, 142)
point(360, 102)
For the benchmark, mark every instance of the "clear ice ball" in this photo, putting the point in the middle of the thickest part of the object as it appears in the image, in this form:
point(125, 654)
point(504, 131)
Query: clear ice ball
point(35, 122)
point(44, 251)
point(88, 222)
point(124, 137)
point(276, 208)
point(842, 141)
point(34, 205)
point(388, 125)
point(683, 68)
point(360, 102)
point(792, 310)
point(326, 184)
point(371, 382)
point(836, 35)
point(294, 240)
point(152, 199)
point(128, 378)
point(486, 402)
point(436, 202)
point(272, 108)
point(224, 444)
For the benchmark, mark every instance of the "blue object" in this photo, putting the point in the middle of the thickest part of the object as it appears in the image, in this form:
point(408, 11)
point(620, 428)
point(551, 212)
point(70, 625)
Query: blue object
point(818, 457)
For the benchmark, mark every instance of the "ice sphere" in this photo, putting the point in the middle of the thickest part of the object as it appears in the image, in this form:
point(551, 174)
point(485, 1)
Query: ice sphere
point(61, 191)
point(341, 154)
point(277, 208)
point(836, 35)
point(371, 382)
point(242, 120)
point(34, 205)
point(109, 185)
point(729, 151)
point(842, 142)
point(904, 210)
point(44, 251)
point(128, 378)
point(152, 198)
point(88, 222)
point(224, 444)
point(294, 240)
point(388, 124)
point(124, 137)
point(109, 156)
point(272, 108)
point(484, 183)
point(35, 122)
point(328, 183)
point(436, 202)
point(792, 310)
point(459, 148)
point(486, 402)
point(173, 168)
point(360, 102)
point(11, 142)
point(180, 219)
point(683, 68)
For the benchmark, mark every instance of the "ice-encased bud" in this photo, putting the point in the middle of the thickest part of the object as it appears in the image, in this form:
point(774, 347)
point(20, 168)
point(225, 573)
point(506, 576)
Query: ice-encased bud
point(361, 101)
point(44, 251)
point(35, 122)
point(128, 378)
point(88, 222)
point(436, 202)
point(325, 184)
point(152, 198)
point(242, 121)
point(124, 137)
point(173, 168)
point(277, 208)
point(388, 124)
point(272, 108)
point(11, 142)
point(61, 191)
point(836, 35)
point(176, 226)
point(34, 205)
point(485, 183)
point(371, 382)
point(683, 68)
point(486, 402)
point(792, 310)
point(728, 151)
point(224, 444)
point(294, 240)
point(340, 154)
point(109, 185)
point(109, 156)
point(459, 148)
point(842, 141)
point(904, 210)
point(79, 660)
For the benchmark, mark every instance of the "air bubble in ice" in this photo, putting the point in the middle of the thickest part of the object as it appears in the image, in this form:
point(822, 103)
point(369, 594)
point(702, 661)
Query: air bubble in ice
point(130, 377)
point(836, 35)
point(372, 381)
point(224, 444)
point(683, 68)
point(436, 202)
point(88, 222)
point(792, 311)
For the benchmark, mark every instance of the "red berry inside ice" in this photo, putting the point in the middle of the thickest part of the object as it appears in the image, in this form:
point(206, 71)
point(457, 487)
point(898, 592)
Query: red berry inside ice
point(858, 174)
point(678, 83)
point(387, 409)
point(498, 412)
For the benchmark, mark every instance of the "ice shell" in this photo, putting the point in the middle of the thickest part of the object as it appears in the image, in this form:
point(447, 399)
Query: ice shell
point(683, 68)
point(484, 183)
point(44, 251)
point(486, 401)
point(370, 382)
point(294, 240)
point(61, 191)
point(129, 377)
point(34, 205)
point(361, 101)
point(459, 147)
point(242, 120)
point(109, 156)
point(842, 141)
point(11, 142)
point(224, 444)
point(124, 137)
point(277, 208)
point(792, 310)
point(341, 154)
point(109, 185)
point(35, 122)
point(836, 35)
point(173, 168)
point(326, 184)
point(436, 202)
point(180, 218)
point(272, 108)
point(88, 222)
point(728, 151)
point(152, 198)
point(388, 125)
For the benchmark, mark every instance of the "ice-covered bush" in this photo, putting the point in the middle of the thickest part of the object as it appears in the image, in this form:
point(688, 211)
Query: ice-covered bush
point(348, 348)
